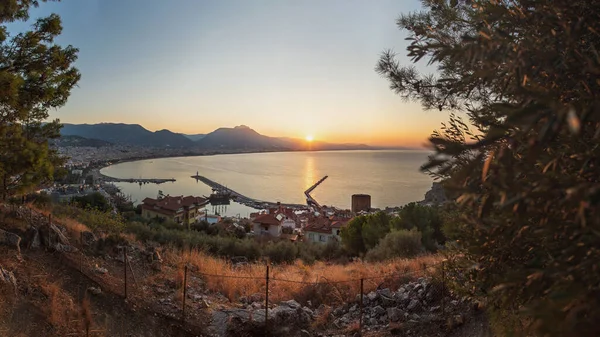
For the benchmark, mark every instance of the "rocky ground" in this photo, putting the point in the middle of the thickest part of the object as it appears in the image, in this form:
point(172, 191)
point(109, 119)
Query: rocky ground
point(93, 267)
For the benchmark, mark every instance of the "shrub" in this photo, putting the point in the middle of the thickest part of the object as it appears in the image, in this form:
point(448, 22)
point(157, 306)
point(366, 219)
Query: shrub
point(282, 251)
point(398, 243)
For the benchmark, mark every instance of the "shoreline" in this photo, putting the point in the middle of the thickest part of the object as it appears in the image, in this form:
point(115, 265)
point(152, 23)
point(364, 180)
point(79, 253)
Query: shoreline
point(134, 159)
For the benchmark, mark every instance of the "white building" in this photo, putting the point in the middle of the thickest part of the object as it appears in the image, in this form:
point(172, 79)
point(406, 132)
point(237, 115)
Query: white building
point(267, 224)
point(324, 230)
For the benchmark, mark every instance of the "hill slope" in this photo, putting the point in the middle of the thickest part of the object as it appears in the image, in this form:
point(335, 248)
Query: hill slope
point(127, 134)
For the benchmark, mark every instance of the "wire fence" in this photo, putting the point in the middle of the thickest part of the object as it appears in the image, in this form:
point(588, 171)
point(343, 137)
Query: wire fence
point(365, 297)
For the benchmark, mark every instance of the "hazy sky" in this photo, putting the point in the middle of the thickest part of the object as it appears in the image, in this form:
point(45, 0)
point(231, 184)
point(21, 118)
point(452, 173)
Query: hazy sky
point(282, 67)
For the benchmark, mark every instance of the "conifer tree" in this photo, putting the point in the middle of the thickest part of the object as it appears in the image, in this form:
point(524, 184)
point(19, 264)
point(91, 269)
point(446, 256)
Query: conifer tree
point(36, 76)
point(525, 167)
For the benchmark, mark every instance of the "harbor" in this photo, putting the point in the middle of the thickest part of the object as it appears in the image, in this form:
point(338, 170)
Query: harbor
point(222, 190)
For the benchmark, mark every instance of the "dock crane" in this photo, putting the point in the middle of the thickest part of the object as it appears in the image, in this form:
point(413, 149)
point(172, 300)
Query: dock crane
point(310, 201)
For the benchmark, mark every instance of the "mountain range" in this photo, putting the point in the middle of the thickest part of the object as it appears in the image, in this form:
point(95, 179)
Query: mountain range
point(232, 139)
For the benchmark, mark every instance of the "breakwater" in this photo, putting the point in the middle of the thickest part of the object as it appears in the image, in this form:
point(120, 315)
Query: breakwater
point(242, 199)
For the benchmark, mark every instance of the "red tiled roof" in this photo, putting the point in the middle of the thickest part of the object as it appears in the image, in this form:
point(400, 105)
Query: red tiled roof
point(172, 204)
point(267, 219)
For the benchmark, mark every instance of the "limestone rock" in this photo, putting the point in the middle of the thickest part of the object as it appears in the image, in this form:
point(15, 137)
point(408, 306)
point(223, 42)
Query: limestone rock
point(94, 290)
point(8, 277)
point(10, 239)
point(88, 238)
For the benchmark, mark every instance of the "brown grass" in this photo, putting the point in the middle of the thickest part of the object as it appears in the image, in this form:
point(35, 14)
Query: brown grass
point(60, 306)
point(74, 227)
point(322, 320)
point(336, 283)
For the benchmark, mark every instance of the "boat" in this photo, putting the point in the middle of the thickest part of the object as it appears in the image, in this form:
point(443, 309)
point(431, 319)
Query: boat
point(219, 197)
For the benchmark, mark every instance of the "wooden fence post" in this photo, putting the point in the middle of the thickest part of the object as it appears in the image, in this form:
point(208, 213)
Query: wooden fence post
point(184, 292)
point(125, 269)
point(267, 302)
point(360, 322)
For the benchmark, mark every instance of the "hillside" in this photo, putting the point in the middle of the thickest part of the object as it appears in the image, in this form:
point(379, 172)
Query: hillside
point(239, 138)
point(78, 141)
point(194, 137)
point(127, 134)
point(52, 278)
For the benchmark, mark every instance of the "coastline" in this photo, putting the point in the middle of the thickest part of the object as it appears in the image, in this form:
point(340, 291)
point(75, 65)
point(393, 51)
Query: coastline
point(134, 159)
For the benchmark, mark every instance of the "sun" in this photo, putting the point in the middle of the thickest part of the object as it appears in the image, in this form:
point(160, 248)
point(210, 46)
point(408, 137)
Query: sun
point(309, 138)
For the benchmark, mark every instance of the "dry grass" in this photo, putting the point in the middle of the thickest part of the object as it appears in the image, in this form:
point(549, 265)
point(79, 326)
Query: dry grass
point(60, 308)
point(74, 227)
point(322, 320)
point(353, 328)
point(320, 283)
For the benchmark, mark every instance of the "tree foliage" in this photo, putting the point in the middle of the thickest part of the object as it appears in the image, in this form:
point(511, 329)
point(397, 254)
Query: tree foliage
point(36, 75)
point(525, 73)
point(425, 219)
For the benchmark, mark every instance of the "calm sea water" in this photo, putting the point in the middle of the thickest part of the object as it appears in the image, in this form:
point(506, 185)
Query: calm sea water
point(392, 178)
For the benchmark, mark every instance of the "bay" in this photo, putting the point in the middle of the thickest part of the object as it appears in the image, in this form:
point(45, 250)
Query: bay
point(391, 177)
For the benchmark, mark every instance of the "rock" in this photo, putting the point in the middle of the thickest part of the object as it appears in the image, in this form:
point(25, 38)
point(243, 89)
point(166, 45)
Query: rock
point(353, 308)
point(308, 311)
point(156, 265)
point(415, 317)
point(454, 302)
point(372, 296)
point(58, 235)
point(100, 270)
point(243, 299)
point(338, 312)
point(383, 319)
point(65, 248)
point(256, 297)
point(203, 304)
point(386, 292)
point(88, 238)
point(257, 305)
point(11, 240)
point(434, 309)
point(8, 277)
point(379, 311)
point(401, 290)
point(304, 333)
point(309, 304)
point(412, 305)
point(388, 301)
point(291, 303)
point(33, 238)
point(94, 290)
point(395, 314)
point(373, 321)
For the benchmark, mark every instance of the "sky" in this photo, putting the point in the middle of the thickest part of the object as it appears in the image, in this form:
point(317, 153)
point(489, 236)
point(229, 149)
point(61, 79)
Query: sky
point(283, 67)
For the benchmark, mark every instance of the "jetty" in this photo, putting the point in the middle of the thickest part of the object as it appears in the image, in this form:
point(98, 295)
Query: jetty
point(310, 201)
point(242, 199)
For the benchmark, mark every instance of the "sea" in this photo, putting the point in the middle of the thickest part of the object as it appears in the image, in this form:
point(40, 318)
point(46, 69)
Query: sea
point(391, 177)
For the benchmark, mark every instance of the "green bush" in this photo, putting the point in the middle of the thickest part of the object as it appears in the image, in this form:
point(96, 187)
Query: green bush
point(398, 243)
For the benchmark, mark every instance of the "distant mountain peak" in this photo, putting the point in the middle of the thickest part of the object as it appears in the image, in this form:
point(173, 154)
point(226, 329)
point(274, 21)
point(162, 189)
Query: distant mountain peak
point(243, 127)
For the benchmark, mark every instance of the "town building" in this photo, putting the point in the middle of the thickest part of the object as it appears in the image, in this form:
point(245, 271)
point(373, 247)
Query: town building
point(324, 230)
point(267, 224)
point(361, 202)
point(179, 209)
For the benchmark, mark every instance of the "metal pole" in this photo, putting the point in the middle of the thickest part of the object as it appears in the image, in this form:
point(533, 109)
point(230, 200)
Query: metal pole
point(360, 322)
point(81, 256)
point(267, 301)
point(184, 292)
point(125, 270)
point(443, 289)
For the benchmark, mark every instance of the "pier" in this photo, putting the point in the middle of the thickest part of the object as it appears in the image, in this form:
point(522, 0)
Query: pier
point(242, 199)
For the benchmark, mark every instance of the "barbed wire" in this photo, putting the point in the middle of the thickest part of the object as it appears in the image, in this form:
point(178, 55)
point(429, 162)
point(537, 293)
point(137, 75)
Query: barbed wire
point(315, 283)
